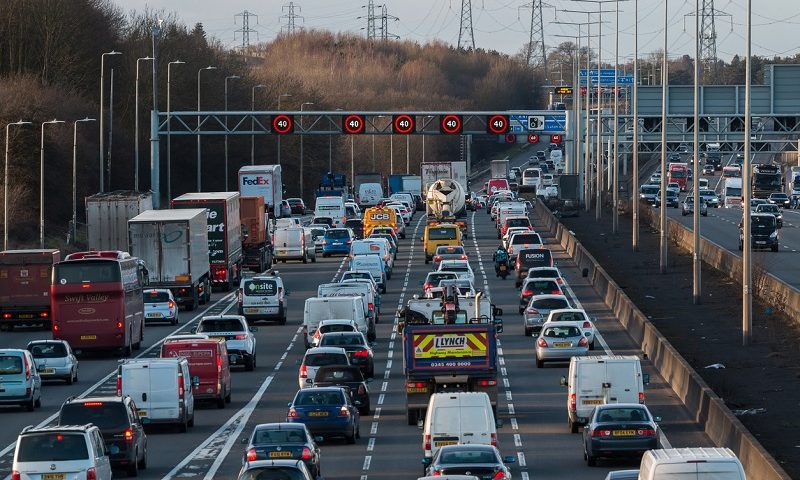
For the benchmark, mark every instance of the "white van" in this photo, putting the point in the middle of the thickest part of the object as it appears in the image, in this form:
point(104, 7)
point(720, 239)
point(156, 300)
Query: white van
point(458, 418)
point(331, 308)
point(294, 243)
point(161, 388)
point(557, 157)
point(601, 379)
point(532, 177)
point(362, 290)
point(374, 265)
point(369, 194)
point(691, 464)
point(332, 207)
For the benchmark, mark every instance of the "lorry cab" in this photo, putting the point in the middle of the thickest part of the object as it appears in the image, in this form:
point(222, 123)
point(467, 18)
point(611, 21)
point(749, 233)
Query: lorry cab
point(438, 235)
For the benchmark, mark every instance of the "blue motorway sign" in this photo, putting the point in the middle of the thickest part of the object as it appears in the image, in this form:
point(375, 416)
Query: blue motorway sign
point(605, 72)
point(605, 80)
point(548, 124)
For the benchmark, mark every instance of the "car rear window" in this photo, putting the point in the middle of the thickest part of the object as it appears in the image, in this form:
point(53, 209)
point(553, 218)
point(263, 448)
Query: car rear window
point(517, 222)
point(568, 317)
point(442, 233)
point(322, 359)
point(105, 415)
point(435, 278)
point(319, 398)
point(10, 364)
point(52, 447)
point(561, 332)
point(468, 456)
point(521, 238)
point(337, 233)
point(154, 296)
point(336, 328)
point(283, 436)
point(541, 286)
point(344, 375)
point(220, 325)
point(550, 303)
point(260, 287)
point(273, 473)
point(450, 250)
point(48, 350)
point(543, 273)
point(343, 340)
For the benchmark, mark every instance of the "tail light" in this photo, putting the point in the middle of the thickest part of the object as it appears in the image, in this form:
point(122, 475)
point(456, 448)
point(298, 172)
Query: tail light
point(494, 439)
point(541, 342)
point(362, 390)
point(302, 240)
point(180, 386)
point(317, 335)
point(91, 474)
point(363, 353)
point(646, 432)
point(583, 342)
point(15, 475)
point(560, 281)
point(119, 325)
point(241, 336)
point(641, 398)
point(426, 442)
point(27, 368)
point(437, 258)
point(252, 455)
point(303, 371)
point(587, 324)
point(487, 383)
point(119, 386)
point(427, 285)
point(56, 328)
point(324, 242)
point(306, 455)
point(518, 264)
point(532, 311)
point(555, 292)
point(292, 413)
point(344, 411)
point(44, 314)
point(371, 306)
point(171, 304)
point(414, 385)
point(499, 475)
point(527, 293)
point(463, 257)
point(128, 435)
point(437, 473)
point(601, 433)
point(573, 402)
point(182, 290)
point(219, 363)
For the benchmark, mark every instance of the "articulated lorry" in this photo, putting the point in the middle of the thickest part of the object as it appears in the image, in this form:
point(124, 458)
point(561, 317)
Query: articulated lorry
point(25, 287)
point(264, 181)
point(107, 216)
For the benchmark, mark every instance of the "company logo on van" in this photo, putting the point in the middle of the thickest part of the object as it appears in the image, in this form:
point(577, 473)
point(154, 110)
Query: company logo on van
point(379, 216)
point(450, 342)
point(259, 180)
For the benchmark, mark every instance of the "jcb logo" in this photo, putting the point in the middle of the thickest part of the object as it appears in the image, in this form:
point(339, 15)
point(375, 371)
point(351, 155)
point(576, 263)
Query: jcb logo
point(379, 216)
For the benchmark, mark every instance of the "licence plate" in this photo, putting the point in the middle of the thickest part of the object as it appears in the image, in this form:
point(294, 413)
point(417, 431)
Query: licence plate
point(154, 315)
point(502, 268)
point(283, 252)
point(88, 337)
point(318, 414)
point(760, 242)
point(47, 371)
point(623, 433)
point(592, 402)
point(562, 344)
point(252, 310)
point(26, 315)
point(416, 390)
point(142, 413)
point(217, 338)
point(442, 443)
point(283, 454)
point(54, 476)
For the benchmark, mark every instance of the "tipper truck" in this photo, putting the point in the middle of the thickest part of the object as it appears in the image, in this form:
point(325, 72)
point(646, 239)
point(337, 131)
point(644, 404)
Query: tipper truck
point(224, 234)
point(107, 216)
point(263, 180)
point(25, 287)
point(256, 240)
point(174, 247)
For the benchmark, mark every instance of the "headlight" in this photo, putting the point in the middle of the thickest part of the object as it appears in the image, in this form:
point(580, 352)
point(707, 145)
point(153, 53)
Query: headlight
point(773, 234)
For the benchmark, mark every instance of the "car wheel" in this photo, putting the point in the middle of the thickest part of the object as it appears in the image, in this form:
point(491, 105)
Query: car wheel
point(133, 467)
point(143, 461)
point(71, 378)
point(221, 402)
point(228, 396)
point(351, 439)
point(29, 406)
point(191, 421)
point(305, 258)
point(539, 363)
point(175, 319)
point(775, 248)
point(521, 310)
point(325, 255)
point(591, 460)
point(314, 258)
point(427, 260)
point(249, 364)
point(573, 427)
point(358, 431)
point(282, 320)
point(183, 427)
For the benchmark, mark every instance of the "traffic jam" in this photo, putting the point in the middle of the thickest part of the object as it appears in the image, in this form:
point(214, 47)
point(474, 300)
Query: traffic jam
point(136, 281)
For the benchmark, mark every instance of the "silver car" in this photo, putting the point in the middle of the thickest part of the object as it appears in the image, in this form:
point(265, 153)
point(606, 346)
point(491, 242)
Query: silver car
point(560, 341)
point(54, 360)
point(687, 207)
point(576, 315)
point(448, 252)
point(539, 307)
point(160, 306)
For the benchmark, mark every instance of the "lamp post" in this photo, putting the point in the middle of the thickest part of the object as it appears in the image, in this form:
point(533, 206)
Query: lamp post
point(229, 77)
point(279, 137)
point(199, 152)
point(635, 180)
point(136, 127)
point(74, 229)
point(696, 260)
point(5, 186)
point(747, 272)
point(102, 117)
point(663, 190)
point(301, 147)
point(330, 150)
point(169, 127)
point(253, 123)
point(41, 182)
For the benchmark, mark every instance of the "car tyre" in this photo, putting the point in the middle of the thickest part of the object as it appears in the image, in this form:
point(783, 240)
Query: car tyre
point(521, 310)
point(427, 260)
point(133, 468)
point(183, 427)
point(314, 258)
point(71, 378)
point(325, 255)
point(775, 248)
point(282, 320)
point(221, 402)
point(29, 406)
point(573, 427)
point(539, 363)
point(351, 439)
point(367, 410)
point(143, 461)
point(591, 460)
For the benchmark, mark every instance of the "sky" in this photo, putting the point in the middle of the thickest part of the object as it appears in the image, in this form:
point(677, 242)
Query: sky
point(503, 25)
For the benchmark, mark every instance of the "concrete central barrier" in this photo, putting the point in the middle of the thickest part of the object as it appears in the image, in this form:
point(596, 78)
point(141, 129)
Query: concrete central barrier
point(707, 409)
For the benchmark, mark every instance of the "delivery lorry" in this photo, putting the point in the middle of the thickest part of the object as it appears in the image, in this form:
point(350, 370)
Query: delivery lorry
point(25, 287)
point(174, 247)
point(224, 234)
point(265, 181)
point(107, 216)
point(256, 239)
point(499, 169)
point(405, 183)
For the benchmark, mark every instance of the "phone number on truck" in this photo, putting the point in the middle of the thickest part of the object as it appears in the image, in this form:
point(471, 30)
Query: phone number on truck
point(451, 364)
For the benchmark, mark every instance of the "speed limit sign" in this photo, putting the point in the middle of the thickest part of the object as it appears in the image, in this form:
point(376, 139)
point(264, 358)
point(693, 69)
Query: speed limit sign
point(536, 122)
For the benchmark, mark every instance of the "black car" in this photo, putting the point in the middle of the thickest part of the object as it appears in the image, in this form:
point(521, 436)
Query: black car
point(118, 421)
point(357, 226)
point(356, 346)
point(346, 376)
point(297, 206)
point(619, 430)
point(273, 441)
point(481, 461)
point(763, 231)
point(780, 199)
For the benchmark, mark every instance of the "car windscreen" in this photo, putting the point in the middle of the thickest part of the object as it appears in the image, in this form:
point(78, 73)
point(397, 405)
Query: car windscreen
point(49, 350)
point(523, 238)
point(220, 325)
point(94, 271)
point(322, 359)
point(543, 273)
point(762, 222)
point(273, 473)
point(442, 233)
point(767, 209)
point(52, 447)
point(337, 233)
point(550, 303)
point(155, 296)
point(105, 415)
point(260, 287)
point(10, 364)
point(341, 340)
point(648, 190)
point(707, 193)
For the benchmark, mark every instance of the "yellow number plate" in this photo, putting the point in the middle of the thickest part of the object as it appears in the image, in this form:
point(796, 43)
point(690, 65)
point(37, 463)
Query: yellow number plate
point(416, 390)
point(562, 344)
point(251, 310)
point(47, 371)
point(283, 454)
point(592, 402)
point(154, 315)
point(54, 476)
point(142, 413)
point(88, 337)
point(443, 443)
point(318, 414)
point(623, 433)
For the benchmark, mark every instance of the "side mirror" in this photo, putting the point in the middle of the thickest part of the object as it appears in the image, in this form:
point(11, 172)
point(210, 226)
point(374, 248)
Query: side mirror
point(253, 329)
point(289, 404)
point(509, 459)
point(563, 381)
point(657, 419)
point(499, 423)
point(646, 378)
point(426, 461)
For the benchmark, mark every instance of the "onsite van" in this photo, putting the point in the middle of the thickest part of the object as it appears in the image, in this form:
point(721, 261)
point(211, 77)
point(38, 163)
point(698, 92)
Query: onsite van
point(160, 388)
point(332, 308)
point(440, 234)
point(691, 464)
point(263, 297)
point(208, 366)
point(458, 418)
point(332, 207)
point(528, 258)
point(294, 243)
point(601, 379)
point(373, 264)
point(379, 217)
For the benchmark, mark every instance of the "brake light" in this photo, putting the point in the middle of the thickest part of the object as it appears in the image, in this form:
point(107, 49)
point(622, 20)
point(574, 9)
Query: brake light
point(641, 398)
point(241, 336)
point(171, 304)
point(324, 242)
point(27, 368)
point(303, 371)
point(583, 342)
point(463, 257)
point(344, 411)
point(371, 306)
point(560, 280)
point(437, 258)
point(119, 386)
point(487, 383)
point(499, 475)
point(219, 363)
point(349, 242)
point(317, 334)
point(44, 314)
point(292, 413)
point(541, 342)
point(180, 386)
point(601, 433)
point(6, 315)
point(587, 324)
point(427, 442)
point(306, 454)
point(91, 474)
point(252, 455)
point(92, 404)
point(128, 435)
point(527, 293)
point(119, 325)
point(646, 432)
point(427, 285)
point(494, 439)
point(437, 473)
point(182, 290)
point(240, 297)
point(363, 353)
point(15, 475)
point(532, 311)
point(572, 402)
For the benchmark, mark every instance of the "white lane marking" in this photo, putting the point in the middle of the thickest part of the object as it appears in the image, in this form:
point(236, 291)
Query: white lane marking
point(114, 372)
point(381, 397)
point(514, 424)
point(511, 409)
point(377, 413)
point(371, 444)
point(505, 383)
point(517, 440)
point(525, 476)
point(367, 462)
point(373, 428)
point(663, 440)
point(521, 459)
point(384, 385)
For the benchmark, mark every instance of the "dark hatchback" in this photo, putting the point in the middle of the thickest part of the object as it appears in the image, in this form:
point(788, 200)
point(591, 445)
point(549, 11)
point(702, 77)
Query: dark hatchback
point(118, 421)
point(357, 226)
point(326, 411)
point(284, 441)
point(481, 461)
point(356, 346)
point(346, 376)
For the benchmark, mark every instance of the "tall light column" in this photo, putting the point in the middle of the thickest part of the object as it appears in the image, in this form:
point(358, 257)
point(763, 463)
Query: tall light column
point(663, 190)
point(136, 127)
point(253, 123)
point(229, 77)
point(199, 151)
point(635, 173)
point(301, 147)
point(747, 265)
point(615, 160)
point(169, 127)
point(279, 137)
point(5, 186)
point(102, 116)
point(696, 260)
point(74, 226)
point(41, 182)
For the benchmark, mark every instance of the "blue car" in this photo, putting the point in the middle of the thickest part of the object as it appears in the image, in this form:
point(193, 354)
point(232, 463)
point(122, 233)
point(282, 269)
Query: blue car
point(337, 241)
point(326, 411)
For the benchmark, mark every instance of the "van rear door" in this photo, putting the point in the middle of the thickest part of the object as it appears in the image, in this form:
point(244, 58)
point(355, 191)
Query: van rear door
point(623, 377)
point(475, 425)
point(589, 386)
point(163, 395)
point(136, 383)
point(446, 426)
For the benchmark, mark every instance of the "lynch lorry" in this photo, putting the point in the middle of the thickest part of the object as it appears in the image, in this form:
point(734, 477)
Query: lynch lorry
point(256, 240)
point(174, 247)
point(25, 287)
point(107, 216)
point(224, 234)
point(263, 180)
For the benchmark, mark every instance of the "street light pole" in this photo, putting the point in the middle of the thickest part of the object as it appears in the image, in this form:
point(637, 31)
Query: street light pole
point(635, 185)
point(41, 182)
point(229, 77)
point(301, 147)
point(74, 229)
point(169, 127)
point(747, 265)
point(408, 154)
point(663, 189)
point(696, 265)
point(279, 137)
point(253, 123)
point(5, 187)
point(102, 116)
point(614, 163)
point(199, 151)
point(136, 128)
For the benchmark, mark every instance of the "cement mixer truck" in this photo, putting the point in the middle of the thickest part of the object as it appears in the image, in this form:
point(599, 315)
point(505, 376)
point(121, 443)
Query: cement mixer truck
point(445, 202)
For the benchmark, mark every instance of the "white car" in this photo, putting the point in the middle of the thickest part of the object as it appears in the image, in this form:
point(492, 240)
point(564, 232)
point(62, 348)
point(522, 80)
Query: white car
point(328, 326)
point(160, 306)
point(54, 359)
point(510, 232)
point(459, 267)
point(655, 178)
point(79, 450)
point(523, 239)
point(319, 357)
point(239, 337)
point(547, 179)
point(575, 315)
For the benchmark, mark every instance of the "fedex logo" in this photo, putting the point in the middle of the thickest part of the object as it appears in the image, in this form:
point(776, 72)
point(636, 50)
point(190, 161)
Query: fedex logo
point(259, 180)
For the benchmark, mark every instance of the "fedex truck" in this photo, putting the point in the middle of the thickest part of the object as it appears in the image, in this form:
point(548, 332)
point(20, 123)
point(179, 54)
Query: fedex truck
point(264, 181)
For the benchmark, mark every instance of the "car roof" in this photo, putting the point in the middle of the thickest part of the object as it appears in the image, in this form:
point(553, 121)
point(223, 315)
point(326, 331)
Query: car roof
point(620, 405)
point(470, 446)
point(280, 425)
point(454, 262)
point(98, 398)
point(226, 316)
point(46, 341)
point(540, 279)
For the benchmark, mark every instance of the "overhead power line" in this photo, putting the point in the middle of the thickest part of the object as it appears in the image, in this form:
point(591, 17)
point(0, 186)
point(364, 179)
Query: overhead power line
point(245, 31)
point(466, 37)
